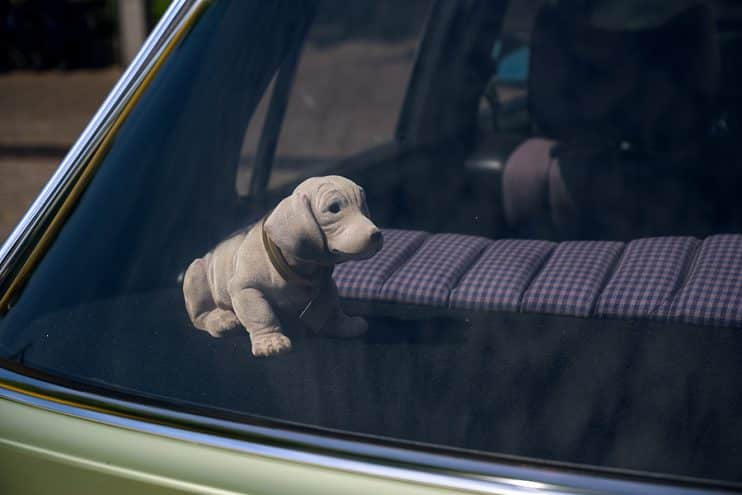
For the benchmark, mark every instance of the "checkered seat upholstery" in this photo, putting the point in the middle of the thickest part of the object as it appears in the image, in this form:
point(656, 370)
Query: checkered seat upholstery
point(678, 279)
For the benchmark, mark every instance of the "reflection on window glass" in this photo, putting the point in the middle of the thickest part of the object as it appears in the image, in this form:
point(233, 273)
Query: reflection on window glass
point(557, 273)
point(506, 92)
point(250, 143)
point(337, 105)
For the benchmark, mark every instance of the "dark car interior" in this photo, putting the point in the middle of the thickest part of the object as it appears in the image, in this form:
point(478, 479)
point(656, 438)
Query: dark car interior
point(561, 276)
point(627, 157)
point(619, 122)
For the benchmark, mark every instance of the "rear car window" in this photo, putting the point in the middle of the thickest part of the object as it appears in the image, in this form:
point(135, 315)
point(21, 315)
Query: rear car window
point(522, 239)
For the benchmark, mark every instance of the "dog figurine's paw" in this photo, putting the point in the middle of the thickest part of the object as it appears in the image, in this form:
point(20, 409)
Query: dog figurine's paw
point(270, 344)
point(346, 327)
point(218, 322)
point(353, 326)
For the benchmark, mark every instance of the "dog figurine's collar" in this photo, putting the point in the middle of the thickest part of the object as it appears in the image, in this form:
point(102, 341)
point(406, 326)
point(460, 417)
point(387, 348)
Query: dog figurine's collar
point(282, 266)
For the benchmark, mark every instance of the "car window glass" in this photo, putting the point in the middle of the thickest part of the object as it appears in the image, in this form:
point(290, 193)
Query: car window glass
point(504, 103)
point(336, 107)
point(521, 237)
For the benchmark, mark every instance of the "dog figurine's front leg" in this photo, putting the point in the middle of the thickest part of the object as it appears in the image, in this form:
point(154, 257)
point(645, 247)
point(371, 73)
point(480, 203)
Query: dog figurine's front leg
point(257, 316)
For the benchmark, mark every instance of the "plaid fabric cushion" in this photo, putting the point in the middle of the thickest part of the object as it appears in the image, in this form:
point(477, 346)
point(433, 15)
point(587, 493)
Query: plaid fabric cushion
point(473, 273)
point(646, 278)
point(436, 267)
point(498, 279)
point(712, 294)
point(572, 278)
point(364, 279)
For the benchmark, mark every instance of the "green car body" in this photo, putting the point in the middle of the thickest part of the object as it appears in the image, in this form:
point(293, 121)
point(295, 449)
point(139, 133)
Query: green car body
point(47, 452)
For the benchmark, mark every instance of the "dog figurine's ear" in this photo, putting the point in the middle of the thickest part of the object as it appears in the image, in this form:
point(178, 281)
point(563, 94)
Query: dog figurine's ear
point(294, 229)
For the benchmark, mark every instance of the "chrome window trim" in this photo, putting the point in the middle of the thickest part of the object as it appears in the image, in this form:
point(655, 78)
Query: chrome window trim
point(38, 217)
point(403, 463)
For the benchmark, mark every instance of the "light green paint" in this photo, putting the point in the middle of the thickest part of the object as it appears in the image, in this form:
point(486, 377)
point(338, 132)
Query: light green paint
point(43, 452)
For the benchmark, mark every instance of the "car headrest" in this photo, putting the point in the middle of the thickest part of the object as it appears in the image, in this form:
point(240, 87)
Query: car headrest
point(650, 88)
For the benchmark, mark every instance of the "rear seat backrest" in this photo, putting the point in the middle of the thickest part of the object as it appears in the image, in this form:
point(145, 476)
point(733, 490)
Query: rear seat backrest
point(615, 112)
point(650, 89)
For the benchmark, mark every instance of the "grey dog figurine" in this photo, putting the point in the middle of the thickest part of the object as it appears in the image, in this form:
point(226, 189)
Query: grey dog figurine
point(281, 268)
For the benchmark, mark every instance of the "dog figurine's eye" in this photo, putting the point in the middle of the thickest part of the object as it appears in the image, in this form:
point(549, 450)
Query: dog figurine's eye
point(334, 208)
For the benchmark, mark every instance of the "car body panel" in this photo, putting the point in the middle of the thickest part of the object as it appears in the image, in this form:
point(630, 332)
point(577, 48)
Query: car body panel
point(43, 451)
